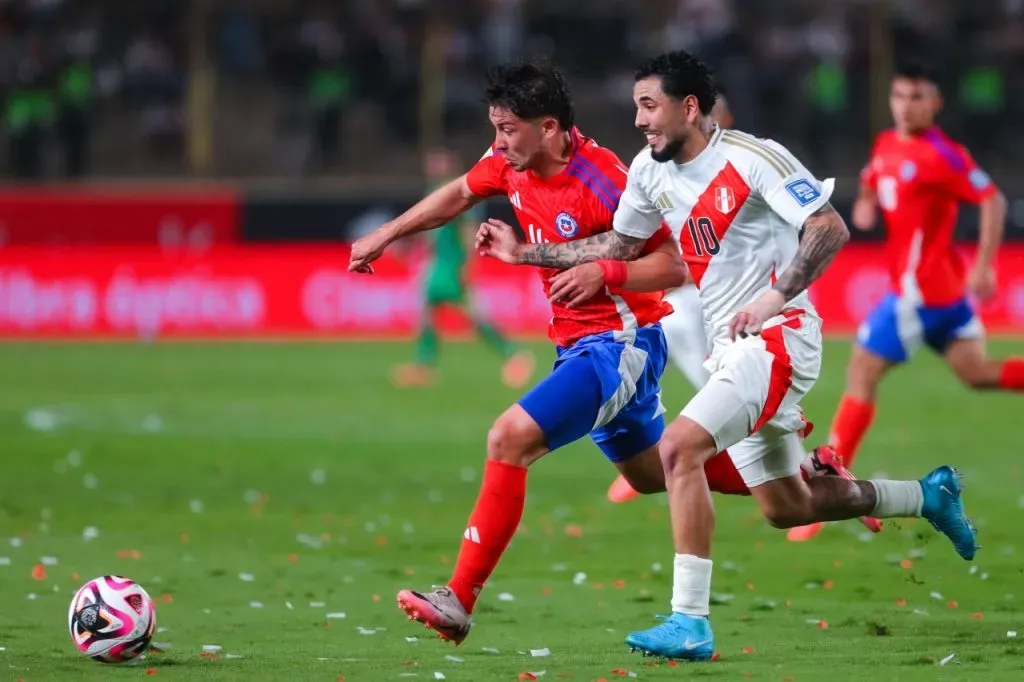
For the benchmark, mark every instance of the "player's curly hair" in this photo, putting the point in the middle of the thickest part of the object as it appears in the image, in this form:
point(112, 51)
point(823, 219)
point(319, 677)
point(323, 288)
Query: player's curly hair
point(531, 91)
point(682, 74)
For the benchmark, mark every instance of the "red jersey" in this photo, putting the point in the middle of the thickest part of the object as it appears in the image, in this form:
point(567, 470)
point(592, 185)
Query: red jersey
point(919, 182)
point(578, 202)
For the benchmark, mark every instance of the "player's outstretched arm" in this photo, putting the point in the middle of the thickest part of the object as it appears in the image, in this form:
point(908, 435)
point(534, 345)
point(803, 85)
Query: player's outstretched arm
point(610, 245)
point(991, 225)
point(824, 233)
point(865, 209)
point(436, 209)
point(661, 269)
point(981, 281)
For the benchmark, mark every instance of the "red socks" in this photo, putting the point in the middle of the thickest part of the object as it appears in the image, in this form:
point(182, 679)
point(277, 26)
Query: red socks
point(494, 521)
point(1011, 378)
point(849, 426)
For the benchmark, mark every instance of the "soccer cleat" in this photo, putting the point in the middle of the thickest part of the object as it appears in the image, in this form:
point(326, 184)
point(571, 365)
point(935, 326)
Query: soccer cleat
point(412, 375)
point(679, 636)
point(518, 369)
point(943, 509)
point(825, 461)
point(440, 611)
point(621, 491)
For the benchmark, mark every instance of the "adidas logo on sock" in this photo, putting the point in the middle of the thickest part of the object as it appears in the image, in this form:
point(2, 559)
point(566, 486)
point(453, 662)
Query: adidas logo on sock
point(472, 534)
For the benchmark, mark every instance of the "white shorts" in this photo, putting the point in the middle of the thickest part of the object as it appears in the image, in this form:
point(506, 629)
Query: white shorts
point(751, 403)
point(684, 333)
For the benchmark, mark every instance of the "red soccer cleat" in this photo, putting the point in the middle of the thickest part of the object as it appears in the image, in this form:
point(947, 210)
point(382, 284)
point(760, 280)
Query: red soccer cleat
point(825, 461)
point(621, 491)
point(412, 375)
point(518, 369)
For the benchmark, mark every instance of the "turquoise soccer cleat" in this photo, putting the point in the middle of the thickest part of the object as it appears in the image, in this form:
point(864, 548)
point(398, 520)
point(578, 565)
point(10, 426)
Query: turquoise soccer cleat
point(679, 636)
point(943, 509)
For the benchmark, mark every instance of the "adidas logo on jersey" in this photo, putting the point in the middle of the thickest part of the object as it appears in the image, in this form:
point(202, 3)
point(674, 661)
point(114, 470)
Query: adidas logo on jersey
point(664, 203)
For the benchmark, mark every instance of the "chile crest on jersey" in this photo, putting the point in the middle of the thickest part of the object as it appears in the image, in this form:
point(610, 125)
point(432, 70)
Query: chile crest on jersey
point(566, 225)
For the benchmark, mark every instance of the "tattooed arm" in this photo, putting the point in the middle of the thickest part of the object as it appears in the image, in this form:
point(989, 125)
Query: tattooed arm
point(609, 245)
point(824, 233)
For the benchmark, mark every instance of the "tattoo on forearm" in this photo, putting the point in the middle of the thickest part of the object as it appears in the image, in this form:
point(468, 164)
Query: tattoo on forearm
point(609, 245)
point(824, 234)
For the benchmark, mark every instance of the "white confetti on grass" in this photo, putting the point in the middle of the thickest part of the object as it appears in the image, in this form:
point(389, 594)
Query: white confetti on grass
point(337, 615)
point(246, 577)
point(947, 659)
point(1012, 634)
point(90, 481)
point(317, 604)
point(438, 676)
point(5, 561)
point(317, 476)
point(506, 596)
point(212, 649)
point(490, 650)
point(196, 506)
point(537, 653)
point(412, 640)
point(579, 578)
point(309, 541)
point(48, 561)
point(90, 533)
point(935, 595)
point(365, 631)
point(288, 605)
point(454, 659)
point(256, 605)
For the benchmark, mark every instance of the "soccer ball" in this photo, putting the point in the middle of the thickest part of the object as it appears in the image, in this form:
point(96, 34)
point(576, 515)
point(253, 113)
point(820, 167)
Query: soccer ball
point(112, 619)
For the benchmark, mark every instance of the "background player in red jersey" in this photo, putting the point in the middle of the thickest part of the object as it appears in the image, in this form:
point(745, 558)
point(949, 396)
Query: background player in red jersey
point(611, 350)
point(917, 177)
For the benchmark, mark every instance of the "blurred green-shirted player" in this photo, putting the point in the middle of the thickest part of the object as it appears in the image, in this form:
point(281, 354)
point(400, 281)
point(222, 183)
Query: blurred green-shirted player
point(445, 285)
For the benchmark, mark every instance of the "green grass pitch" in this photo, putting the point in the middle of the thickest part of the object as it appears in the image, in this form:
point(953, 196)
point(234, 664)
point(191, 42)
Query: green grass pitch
point(273, 498)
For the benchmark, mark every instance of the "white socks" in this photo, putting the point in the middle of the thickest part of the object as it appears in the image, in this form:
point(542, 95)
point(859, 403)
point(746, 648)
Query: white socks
point(691, 585)
point(897, 499)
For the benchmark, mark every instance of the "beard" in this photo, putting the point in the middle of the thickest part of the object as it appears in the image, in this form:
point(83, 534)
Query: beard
point(669, 151)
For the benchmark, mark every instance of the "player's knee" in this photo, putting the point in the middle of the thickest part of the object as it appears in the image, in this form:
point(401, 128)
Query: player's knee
point(684, 448)
point(514, 440)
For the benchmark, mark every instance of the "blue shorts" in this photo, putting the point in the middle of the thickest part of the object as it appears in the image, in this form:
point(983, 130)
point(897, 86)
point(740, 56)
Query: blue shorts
point(606, 385)
point(898, 327)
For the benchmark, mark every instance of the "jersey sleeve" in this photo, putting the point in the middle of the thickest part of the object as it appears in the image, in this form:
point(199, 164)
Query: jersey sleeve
point(966, 181)
point(487, 177)
point(636, 215)
point(789, 189)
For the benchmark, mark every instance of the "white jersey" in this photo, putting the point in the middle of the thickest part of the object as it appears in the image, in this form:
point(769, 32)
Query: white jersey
point(736, 210)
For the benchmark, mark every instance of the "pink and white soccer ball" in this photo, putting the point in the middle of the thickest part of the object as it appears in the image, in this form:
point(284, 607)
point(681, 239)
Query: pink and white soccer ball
point(112, 619)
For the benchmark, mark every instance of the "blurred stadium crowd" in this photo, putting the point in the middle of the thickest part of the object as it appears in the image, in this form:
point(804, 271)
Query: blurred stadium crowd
point(272, 88)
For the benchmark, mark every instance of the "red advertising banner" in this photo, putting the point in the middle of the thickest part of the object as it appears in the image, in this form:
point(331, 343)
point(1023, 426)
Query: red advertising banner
point(87, 216)
point(283, 291)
